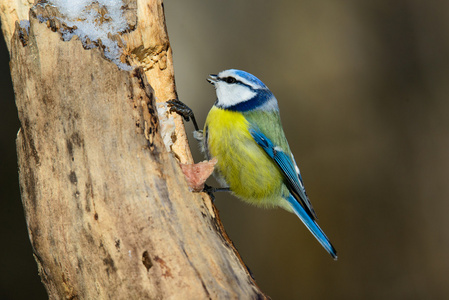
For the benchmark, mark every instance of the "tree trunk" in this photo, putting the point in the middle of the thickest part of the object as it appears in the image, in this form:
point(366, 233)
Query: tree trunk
point(108, 210)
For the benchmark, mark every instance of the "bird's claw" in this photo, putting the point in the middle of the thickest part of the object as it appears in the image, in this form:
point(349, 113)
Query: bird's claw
point(180, 108)
point(183, 110)
point(210, 191)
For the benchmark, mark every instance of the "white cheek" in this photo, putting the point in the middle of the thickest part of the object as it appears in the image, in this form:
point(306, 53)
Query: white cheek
point(232, 94)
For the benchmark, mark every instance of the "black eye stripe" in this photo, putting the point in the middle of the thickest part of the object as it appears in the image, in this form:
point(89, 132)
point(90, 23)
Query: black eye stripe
point(229, 79)
point(236, 81)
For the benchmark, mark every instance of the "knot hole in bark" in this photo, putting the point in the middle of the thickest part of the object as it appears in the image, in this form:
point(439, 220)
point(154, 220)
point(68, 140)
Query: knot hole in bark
point(146, 260)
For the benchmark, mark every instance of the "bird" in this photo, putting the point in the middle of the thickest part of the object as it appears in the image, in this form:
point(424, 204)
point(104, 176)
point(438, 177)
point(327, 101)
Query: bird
point(243, 131)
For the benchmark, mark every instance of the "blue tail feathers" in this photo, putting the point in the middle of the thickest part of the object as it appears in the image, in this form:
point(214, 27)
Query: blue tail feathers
point(312, 226)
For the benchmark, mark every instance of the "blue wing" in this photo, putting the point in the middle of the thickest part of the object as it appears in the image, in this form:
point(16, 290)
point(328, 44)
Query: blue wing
point(312, 226)
point(303, 210)
point(288, 167)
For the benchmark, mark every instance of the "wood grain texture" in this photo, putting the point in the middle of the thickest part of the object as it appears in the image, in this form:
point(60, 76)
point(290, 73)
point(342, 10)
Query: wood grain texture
point(148, 46)
point(12, 11)
point(108, 210)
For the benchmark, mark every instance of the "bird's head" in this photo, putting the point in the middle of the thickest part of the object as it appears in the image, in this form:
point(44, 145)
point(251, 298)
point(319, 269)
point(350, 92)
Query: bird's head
point(241, 91)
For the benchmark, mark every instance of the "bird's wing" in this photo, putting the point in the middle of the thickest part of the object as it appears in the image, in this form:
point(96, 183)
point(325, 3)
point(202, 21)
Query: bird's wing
point(312, 225)
point(288, 167)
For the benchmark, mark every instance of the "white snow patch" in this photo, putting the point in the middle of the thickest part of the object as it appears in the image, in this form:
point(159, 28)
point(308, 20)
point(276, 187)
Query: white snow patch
point(91, 25)
point(25, 24)
point(167, 124)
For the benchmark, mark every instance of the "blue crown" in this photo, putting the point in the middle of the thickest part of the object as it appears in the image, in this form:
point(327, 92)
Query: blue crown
point(250, 77)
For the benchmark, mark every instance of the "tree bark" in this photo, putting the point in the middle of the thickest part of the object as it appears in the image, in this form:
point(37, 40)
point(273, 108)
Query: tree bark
point(108, 210)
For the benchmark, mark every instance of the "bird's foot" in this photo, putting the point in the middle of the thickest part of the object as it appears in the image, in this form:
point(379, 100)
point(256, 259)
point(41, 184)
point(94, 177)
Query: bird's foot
point(183, 110)
point(210, 190)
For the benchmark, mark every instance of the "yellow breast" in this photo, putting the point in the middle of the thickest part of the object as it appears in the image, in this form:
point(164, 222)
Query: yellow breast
point(242, 163)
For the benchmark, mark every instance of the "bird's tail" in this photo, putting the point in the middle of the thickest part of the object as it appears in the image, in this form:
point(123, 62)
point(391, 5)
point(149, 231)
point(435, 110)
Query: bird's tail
point(312, 226)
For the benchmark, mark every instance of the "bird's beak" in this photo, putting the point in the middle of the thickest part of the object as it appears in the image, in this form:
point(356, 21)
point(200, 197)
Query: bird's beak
point(212, 78)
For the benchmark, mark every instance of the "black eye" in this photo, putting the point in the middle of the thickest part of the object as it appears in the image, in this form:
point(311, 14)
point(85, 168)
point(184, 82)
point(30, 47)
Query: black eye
point(230, 80)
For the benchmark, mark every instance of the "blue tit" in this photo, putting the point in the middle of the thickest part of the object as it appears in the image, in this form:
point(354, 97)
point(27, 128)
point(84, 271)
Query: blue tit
point(243, 131)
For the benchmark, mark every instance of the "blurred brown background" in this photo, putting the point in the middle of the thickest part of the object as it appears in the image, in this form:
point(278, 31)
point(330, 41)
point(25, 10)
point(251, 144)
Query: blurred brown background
point(362, 88)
